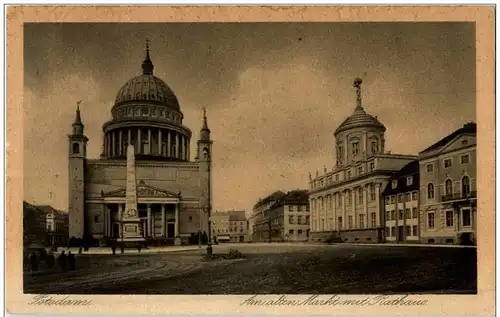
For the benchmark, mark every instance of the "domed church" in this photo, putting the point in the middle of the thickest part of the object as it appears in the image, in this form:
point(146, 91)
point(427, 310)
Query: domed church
point(144, 186)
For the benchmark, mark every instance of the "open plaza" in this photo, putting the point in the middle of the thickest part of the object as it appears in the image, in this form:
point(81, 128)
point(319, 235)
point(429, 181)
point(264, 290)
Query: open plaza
point(268, 268)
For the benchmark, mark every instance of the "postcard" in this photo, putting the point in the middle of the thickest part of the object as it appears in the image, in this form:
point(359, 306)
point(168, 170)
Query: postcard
point(317, 160)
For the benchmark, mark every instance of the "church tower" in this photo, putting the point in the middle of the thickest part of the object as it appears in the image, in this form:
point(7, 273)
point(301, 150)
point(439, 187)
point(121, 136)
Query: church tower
point(204, 158)
point(76, 163)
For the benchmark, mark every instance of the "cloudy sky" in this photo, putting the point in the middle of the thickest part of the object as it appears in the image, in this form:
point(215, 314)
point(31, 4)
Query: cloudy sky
point(274, 92)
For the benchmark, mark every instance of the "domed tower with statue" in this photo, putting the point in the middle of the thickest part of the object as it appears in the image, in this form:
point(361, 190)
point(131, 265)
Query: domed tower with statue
point(345, 200)
point(145, 186)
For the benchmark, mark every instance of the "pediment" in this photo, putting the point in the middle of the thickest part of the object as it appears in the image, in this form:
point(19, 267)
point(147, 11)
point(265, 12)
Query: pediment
point(460, 142)
point(143, 191)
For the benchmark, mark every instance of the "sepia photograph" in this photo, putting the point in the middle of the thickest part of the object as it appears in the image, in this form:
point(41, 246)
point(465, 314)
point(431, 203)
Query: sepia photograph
point(263, 159)
point(250, 158)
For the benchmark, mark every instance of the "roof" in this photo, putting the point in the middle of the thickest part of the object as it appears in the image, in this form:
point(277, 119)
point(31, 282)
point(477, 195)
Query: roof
point(359, 119)
point(237, 215)
point(273, 197)
point(294, 197)
point(466, 129)
point(410, 169)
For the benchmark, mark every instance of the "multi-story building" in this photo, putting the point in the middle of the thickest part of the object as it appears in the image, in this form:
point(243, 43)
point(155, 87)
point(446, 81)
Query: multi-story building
point(345, 202)
point(448, 188)
point(259, 221)
point(284, 218)
point(401, 207)
point(230, 226)
point(238, 226)
point(45, 225)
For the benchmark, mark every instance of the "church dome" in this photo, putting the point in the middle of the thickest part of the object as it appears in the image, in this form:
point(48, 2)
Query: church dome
point(147, 88)
point(360, 119)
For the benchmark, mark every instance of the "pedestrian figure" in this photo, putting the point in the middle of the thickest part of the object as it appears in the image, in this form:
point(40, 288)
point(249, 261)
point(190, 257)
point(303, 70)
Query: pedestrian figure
point(113, 248)
point(139, 248)
point(62, 261)
point(71, 261)
point(50, 261)
point(80, 250)
point(34, 262)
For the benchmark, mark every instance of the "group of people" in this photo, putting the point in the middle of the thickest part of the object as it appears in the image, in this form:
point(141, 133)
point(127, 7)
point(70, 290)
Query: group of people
point(64, 262)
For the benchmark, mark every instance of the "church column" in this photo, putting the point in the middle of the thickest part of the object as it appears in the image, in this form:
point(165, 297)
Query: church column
point(120, 141)
point(149, 141)
point(365, 145)
point(163, 233)
point(149, 221)
point(138, 150)
point(176, 145)
point(108, 145)
point(347, 147)
point(188, 149)
point(176, 228)
point(160, 147)
point(169, 146)
point(344, 210)
point(110, 219)
point(105, 216)
point(365, 208)
point(129, 138)
point(334, 210)
point(113, 143)
point(377, 204)
point(353, 205)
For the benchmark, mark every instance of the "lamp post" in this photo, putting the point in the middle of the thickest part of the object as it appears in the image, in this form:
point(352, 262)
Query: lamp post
point(209, 205)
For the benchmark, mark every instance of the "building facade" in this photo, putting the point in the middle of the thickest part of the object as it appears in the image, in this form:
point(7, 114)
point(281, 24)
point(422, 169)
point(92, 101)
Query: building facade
point(448, 196)
point(283, 217)
point(173, 192)
point(260, 221)
point(401, 197)
point(345, 202)
point(231, 226)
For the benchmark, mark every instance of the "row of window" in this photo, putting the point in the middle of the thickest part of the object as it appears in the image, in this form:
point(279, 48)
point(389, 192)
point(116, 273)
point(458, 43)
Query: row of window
point(300, 220)
point(448, 162)
point(465, 219)
point(320, 224)
point(448, 188)
point(336, 198)
point(355, 148)
point(407, 214)
point(298, 208)
point(148, 112)
point(349, 174)
point(299, 232)
point(413, 196)
point(229, 230)
point(409, 182)
point(410, 231)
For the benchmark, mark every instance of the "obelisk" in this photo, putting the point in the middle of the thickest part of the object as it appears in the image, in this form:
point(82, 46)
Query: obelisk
point(131, 222)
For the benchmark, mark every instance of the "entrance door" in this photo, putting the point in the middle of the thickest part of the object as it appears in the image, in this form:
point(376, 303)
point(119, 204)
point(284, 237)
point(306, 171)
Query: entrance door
point(171, 230)
point(401, 233)
point(116, 230)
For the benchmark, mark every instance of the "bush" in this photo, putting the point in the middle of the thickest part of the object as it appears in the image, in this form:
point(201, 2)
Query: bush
point(235, 254)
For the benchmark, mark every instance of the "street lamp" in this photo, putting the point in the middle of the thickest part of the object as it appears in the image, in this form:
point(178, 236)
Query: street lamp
point(209, 205)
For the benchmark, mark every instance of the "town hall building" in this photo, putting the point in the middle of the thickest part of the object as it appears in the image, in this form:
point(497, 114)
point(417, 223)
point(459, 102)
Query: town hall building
point(172, 191)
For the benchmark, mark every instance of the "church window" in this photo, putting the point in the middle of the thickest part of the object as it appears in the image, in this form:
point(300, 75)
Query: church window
point(138, 112)
point(76, 148)
point(360, 195)
point(144, 112)
point(130, 112)
point(167, 114)
point(155, 112)
point(374, 147)
point(348, 174)
point(372, 192)
point(162, 113)
point(372, 166)
point(448, 187)
point(355, 148)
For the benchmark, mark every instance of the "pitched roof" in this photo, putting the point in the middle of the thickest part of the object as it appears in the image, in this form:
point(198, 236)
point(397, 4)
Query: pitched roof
point(467, 128)
point(410, 169)
point(237, 215)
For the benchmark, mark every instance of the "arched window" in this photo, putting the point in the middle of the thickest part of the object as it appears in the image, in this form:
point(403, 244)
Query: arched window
point(465, 185)
point(76, 148)
point(448, 184)
point(374, 146)
point(430, 191)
